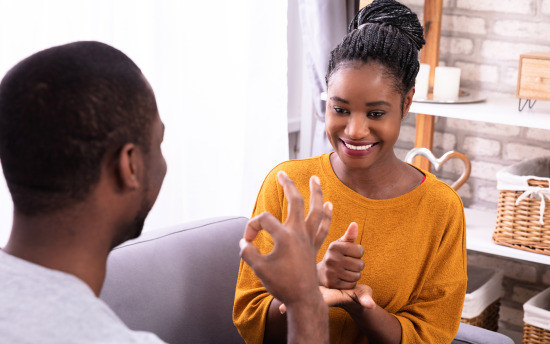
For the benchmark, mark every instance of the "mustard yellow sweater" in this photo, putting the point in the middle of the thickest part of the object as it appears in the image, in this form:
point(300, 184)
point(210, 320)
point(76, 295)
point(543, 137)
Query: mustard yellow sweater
point(415, 254)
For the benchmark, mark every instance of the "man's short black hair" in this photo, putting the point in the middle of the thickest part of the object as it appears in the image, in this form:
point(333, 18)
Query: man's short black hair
point(61, 110)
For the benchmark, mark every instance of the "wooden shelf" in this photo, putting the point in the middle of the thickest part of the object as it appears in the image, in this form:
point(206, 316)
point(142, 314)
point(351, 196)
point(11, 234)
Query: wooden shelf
point(480, 225)
point(494, 110)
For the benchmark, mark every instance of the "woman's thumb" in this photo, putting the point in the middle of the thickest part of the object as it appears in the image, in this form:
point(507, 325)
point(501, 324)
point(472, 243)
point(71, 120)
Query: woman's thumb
point(351, 233)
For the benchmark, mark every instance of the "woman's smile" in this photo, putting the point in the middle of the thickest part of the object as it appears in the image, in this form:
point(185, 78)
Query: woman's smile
point(357, 148)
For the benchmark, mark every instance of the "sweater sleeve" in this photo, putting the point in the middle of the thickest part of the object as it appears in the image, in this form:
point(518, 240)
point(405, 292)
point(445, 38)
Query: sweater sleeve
point(433, 315)
point(251, 298)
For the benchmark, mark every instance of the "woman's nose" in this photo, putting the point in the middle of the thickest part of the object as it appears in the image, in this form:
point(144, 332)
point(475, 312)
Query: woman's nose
point(357, 127)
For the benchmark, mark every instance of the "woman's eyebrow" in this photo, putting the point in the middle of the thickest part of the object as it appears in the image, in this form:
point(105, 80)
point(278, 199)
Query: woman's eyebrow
point(375, 103)
point(378, 103)
point(338, 99)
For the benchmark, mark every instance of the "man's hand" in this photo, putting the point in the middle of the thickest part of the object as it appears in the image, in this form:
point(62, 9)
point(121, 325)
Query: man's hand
point(342, 265)
point(289, 271)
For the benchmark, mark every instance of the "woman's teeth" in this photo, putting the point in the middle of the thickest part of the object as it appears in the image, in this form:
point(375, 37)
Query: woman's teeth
point(358, 147)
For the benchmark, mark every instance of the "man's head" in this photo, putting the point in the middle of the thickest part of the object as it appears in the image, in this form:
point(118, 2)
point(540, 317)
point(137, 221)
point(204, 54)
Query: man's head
point(64, 112)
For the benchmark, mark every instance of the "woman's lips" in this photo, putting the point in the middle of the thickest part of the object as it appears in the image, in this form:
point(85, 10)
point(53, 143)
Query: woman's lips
point(357, 148)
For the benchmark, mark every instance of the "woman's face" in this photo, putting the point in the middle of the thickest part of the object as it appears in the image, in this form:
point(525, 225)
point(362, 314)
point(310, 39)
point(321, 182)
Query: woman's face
point(363, 114)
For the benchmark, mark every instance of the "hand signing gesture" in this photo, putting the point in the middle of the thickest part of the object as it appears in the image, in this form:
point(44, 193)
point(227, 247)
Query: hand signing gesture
point(289, 271)
point(349, 299)
point(342, 265)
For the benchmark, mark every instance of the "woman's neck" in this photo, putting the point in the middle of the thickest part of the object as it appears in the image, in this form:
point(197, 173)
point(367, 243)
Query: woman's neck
point(386, 179)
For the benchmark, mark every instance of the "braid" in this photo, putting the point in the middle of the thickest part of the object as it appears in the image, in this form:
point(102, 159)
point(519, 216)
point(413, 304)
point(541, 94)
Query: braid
point(387, 32)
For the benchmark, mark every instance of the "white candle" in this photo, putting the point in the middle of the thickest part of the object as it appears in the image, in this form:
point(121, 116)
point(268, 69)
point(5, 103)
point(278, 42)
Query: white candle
point(446, 83)
point(422, 82)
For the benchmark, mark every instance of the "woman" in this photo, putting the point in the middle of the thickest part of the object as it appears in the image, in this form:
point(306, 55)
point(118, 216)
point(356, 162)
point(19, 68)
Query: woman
point(397, 273)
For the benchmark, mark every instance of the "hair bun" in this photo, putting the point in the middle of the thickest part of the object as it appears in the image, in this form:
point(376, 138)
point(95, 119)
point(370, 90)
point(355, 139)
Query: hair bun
point(393, 13)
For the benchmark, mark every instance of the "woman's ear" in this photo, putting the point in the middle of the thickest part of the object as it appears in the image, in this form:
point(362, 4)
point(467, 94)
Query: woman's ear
point(407, 102)
point(128, 166)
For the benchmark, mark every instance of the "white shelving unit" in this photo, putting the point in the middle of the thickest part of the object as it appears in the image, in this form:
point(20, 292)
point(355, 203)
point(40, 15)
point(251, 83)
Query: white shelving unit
point(493, 110)
point(480, 224)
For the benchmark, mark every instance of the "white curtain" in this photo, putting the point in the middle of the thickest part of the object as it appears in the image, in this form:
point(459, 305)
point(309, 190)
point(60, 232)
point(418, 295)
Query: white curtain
point(324, 25)
point(218, 69)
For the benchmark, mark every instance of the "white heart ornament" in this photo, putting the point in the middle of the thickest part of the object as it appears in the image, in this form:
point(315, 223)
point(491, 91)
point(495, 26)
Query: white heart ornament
point(425, 152)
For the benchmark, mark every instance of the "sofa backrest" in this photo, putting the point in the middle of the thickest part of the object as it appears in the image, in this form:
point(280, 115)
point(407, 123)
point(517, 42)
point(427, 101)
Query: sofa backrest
point(179, 282)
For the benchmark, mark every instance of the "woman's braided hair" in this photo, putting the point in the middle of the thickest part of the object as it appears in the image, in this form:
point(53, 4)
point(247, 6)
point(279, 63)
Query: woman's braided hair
point(386, 32)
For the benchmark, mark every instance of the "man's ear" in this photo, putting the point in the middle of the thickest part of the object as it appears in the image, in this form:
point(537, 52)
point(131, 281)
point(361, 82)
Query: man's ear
point(129, 166)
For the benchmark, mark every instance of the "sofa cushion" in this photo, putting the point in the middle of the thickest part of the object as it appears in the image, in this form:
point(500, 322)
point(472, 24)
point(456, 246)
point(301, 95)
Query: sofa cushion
point(179, 282)
point(469, 334)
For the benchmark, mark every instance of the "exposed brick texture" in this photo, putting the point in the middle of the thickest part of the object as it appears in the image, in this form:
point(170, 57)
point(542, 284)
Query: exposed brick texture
point(512, 268)
point(485, 170)
point(546, 277)
point(511, 315)
point(444, 141)
point(522, 295)
point(507, 6)
point(478, 72)
point(481, 128)
point(522, 29)
point(464, 24)
point(509, 51)
point(538, 134)
point(487, 193)
point(481, 147)
point(517, 151)
point(456, 45)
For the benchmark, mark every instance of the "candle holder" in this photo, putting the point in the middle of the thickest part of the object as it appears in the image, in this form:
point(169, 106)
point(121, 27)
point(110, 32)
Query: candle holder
point(464, 97)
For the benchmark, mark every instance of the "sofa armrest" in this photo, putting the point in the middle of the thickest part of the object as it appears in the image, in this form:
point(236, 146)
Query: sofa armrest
point(179, 282)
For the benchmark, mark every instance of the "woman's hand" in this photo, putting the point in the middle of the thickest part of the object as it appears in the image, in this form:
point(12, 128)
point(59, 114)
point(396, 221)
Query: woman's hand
point(342, 265)
point(349, 299)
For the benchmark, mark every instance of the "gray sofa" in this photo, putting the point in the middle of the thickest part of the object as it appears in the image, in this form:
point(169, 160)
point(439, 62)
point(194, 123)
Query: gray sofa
point(179, 283)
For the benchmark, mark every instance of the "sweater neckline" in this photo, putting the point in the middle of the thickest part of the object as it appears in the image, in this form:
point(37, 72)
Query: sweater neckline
point(409, 197)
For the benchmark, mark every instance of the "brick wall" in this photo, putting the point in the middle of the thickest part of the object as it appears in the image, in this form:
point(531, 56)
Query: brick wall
point(485, 38)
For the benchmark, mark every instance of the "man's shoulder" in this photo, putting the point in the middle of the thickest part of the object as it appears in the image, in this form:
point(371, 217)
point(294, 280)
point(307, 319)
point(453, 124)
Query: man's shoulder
point(49, 306)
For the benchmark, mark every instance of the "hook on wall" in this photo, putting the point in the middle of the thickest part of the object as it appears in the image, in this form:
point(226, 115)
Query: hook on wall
point(530, 101)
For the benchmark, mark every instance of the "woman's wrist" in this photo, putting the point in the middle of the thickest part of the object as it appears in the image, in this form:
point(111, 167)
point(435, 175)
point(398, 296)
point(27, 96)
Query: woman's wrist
point(355, 308)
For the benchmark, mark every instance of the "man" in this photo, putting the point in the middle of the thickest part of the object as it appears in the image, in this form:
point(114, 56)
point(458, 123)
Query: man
point(80, 147)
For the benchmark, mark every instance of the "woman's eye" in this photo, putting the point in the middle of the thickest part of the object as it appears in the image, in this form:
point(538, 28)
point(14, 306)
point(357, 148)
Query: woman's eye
point(375, 114)
point(339, 110)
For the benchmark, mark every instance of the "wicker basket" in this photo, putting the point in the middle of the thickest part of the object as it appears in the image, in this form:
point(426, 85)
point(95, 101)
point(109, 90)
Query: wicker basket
point(482, 301)
point(536, 320)
point(535, 335)
point(488, 319)
point(523, 211)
